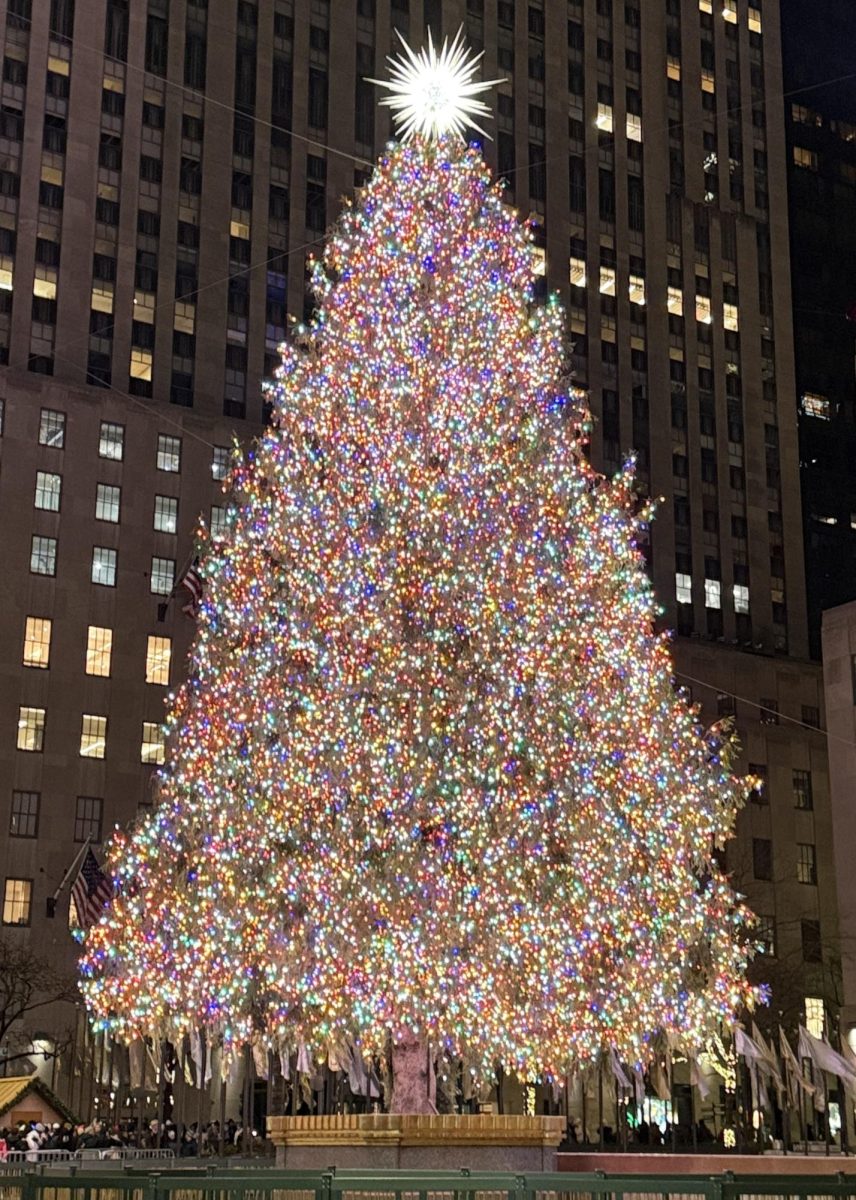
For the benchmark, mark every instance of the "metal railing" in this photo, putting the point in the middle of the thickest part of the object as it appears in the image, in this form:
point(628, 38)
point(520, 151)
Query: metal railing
point(195, 1183)
point(15, 1159)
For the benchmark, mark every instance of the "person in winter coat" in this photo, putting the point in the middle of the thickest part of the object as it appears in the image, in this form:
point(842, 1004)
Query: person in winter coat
point(35, 1140)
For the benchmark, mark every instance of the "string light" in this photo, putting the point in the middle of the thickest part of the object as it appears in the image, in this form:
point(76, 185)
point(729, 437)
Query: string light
point(429, 775)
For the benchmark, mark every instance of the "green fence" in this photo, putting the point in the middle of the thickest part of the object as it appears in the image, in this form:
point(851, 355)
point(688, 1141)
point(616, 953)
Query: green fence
point(249, 1184)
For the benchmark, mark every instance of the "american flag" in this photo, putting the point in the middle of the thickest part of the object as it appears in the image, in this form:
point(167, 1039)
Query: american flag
point(90, 891)
point(192, 582)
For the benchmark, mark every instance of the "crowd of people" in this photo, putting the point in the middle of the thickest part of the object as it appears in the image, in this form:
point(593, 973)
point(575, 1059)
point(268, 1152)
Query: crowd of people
point(185, 1141)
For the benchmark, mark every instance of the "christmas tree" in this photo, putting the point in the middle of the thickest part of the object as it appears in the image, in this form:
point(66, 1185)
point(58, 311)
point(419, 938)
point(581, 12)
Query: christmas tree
point(429, 780)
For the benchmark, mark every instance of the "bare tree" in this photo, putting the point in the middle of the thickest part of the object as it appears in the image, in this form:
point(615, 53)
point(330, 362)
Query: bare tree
point(28, 983)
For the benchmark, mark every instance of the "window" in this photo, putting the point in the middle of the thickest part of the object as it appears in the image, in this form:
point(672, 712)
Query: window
point(765, 933)
point(726, 704)
point(220, 462)
point(811, 715)
point(52, 428)
point(166, 514)
point(87, 818)
point(37, 642)
point(163, 576)
point(812, 947)
point(219, 524)
point(683, 588)
point(762, 858)
point(31, 729)
point(741, 598)
point(24, 821)
point(153, 745)
point(103, 566)
point(169, 453)
point(48, 488)
point(814, 1016)
point(93, 736)
point(158, 654)
point(806, 863)
point(17, 901)
point(99, 650)
point(107, 499)
point(802, 790)
point(712, 593)
point(814, 404)
point(805, 158)
point(769, 714)
point(43, 556)
point(111, 441)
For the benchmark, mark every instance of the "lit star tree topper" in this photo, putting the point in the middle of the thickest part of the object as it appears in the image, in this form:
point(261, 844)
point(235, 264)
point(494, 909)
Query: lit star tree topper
point(435, 92)
point(428, 781)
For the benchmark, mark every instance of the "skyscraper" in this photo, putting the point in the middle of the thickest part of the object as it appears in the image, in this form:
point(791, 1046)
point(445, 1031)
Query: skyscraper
point(167, 167)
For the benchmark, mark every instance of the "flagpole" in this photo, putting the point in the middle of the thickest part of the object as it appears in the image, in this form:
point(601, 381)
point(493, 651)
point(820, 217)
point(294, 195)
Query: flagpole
point(71, 869)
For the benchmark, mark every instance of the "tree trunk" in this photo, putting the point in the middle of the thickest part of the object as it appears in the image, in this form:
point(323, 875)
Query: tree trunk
point(414, 1083)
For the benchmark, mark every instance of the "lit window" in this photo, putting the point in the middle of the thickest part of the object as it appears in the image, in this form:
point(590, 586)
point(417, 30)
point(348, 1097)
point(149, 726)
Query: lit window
point(729, 12)
point(163, 576)
point(52, 428)
point(607, 281)
point(107, 501)
point(636, 289)
point(814, 404)
point(806, 863)
point(578, 271)
point(220, 458)
point(166, 514)
point(169, 453)
point(675, 301)
point(48, 488)
point(141, 363)
point(37, 642)
point(814, 1016)
point(219, 523)
point(712, 593)
point(708, 81)
point(683, 588)
point(31, 729)
point(604, 117)
point(154, 743)
point(805, 158)
point(93, 736)
point(158, 654)
point(634, 127)
point(101, 299)
point(803, 797)
point(731, 317)
point(539, 267)
point(111, 442)
point(87, 818)
point(17, 901)
point(24, 820)
point(741, 598)
point(103, 566)
point(99, 650)
point(43, 555)
point(755, 20)
point(673, 67)
point(705, 6)
point(702, 309)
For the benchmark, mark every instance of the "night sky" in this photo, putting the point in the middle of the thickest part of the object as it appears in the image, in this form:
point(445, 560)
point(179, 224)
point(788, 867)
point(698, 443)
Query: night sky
point(820, 44)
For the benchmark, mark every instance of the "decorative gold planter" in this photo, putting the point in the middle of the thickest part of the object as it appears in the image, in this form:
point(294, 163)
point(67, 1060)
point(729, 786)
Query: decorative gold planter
point(386, 1140)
